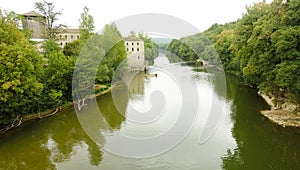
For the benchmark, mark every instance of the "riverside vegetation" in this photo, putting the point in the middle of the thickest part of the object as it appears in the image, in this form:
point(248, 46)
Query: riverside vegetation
point(263, 48)
point(33, 82)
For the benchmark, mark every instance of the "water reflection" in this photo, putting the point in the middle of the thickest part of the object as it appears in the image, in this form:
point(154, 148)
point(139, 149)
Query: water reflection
point(244, 139)
point(46, 143)
point(260, 144)
point(135, 84)
point(58, 141)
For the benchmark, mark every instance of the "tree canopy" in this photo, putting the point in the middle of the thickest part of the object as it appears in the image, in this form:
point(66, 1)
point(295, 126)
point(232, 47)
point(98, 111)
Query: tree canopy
point(21, 69)
point(263, 47)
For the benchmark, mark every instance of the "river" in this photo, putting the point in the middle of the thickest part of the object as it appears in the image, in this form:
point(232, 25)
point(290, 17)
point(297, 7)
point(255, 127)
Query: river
point(243, 138)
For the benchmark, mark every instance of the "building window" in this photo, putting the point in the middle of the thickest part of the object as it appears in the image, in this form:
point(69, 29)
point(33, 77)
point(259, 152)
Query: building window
point(137, 49)
point(138, 57)
point(137, 43)
point(77, 36)
point(132, 49)
point(132, 43)
point(66, 36)
point(127, 49)
point(126, 43)
point(71, 36)
point(60, 36)
point(66, 43)
point(60, 43)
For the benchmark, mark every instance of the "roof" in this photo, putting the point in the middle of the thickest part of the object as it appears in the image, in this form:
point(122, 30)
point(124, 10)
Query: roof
point(72, 30)
point(33, 13)
point(132, 38)
point(69, 30)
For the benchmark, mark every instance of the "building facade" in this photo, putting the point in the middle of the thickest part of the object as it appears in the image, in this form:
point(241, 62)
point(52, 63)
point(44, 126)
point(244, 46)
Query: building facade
point(135, 53)
point(67, 35)
point(36, 23)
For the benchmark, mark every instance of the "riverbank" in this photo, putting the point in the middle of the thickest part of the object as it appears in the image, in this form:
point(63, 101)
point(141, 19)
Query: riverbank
point(21, 120)
point(284, 114)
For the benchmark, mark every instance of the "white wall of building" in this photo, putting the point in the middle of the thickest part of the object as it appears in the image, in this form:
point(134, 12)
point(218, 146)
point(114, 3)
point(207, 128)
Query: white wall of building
point(135, 53)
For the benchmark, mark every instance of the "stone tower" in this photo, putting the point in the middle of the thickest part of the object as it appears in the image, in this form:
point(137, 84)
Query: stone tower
point(35, 22)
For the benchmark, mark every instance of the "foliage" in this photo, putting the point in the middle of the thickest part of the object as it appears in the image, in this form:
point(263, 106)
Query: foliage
point(86, 25)
point(73, 48)
point(20, 69)
point(264, 47)
point(151, 49)
point(50, 46)
point(181, 50)
point(57, 77)
point(115, 53)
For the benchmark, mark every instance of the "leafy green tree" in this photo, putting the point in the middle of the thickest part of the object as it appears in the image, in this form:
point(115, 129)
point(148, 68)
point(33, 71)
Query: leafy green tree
point(114, 55)
point(86, 28)
point(50, 46)
point(86, 25)
point(223, 47)
point(151, 49)
point(73, 48)
point(57, 77)
point(181, 50)
point(21, 68)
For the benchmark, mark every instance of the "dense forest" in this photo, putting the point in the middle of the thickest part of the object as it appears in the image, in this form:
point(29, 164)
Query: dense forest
point(33, 80)
point(263, 47)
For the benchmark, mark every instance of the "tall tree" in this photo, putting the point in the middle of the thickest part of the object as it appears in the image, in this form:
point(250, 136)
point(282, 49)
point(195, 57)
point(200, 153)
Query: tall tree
point(115, 52)
point(86, 25)
point(47, 9)
point(21, 68)
point(151, 49)
point(57, 76)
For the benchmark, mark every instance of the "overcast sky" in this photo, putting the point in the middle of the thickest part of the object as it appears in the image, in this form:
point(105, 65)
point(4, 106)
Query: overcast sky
point(200, 13)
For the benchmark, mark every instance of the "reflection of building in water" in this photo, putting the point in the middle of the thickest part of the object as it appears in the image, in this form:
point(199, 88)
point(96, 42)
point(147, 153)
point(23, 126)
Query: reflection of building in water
point(135, 83)
point(135, 53)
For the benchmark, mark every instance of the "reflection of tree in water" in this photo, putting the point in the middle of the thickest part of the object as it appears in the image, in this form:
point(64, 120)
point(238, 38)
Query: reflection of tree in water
point(49, 142)
point(135, 84)
point(260, 144)
point(68, 134)
point(110, 113)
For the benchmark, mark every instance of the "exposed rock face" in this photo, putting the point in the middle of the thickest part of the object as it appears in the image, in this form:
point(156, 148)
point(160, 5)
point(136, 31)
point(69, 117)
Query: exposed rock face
point(284, 113)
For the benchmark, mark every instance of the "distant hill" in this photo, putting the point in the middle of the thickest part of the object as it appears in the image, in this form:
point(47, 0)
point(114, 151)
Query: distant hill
point(161, 40)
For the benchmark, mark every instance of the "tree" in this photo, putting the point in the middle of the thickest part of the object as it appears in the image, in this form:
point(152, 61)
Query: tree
point(20, 71)
point(57, 77)
point(181, 50)
point(73, 48)
point(48, 11)
point(86, 25)
point(86, 28)
point(223, 47)
point(99, 58)
point(115, 53)
point(151, 49)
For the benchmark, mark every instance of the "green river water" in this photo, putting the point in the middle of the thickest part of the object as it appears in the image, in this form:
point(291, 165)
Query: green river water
point(243, 139)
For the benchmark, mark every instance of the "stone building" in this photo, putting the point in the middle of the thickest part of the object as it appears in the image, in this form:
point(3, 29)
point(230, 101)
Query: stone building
point(67, 35)
point(135, 53)
point(35, 22)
